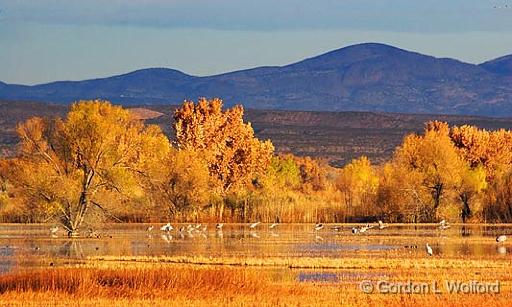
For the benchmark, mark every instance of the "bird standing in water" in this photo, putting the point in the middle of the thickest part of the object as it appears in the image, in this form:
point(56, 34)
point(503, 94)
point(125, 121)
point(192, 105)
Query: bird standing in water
point(501, 239)
point(428, 249)
point(254, 225)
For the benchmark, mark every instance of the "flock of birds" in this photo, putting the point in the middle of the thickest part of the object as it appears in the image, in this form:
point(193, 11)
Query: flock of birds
point(443, 225)
point(202, 229)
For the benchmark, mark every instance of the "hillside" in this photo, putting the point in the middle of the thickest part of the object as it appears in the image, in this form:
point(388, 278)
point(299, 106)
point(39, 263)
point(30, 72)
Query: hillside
point(502, 66)
point(364, 77)
point(336, 136)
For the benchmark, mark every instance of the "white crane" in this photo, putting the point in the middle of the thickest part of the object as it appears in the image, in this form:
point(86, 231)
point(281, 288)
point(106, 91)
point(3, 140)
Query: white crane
point(219, 226)
point(254, 225)
point(381, 225)
point(501, 239)
point(365, 228)
point(150, 228)
point(428, 249)
point(337, 228)
point(167, 227)
point(274, 225)
point(54, 229)
point(319, 226)
point(443, 225)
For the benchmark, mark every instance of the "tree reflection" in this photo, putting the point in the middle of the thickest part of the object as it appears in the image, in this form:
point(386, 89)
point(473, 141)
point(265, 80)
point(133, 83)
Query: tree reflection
point(71, 249)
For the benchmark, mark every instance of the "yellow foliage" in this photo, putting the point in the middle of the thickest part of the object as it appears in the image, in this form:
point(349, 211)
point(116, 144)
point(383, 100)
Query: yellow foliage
point(98, 148)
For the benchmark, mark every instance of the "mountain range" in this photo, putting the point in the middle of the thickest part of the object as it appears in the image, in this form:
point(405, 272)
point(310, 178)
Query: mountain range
point(363, 77)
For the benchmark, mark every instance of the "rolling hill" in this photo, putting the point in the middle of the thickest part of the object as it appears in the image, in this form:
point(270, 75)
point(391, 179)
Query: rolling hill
point(364, 77)
point(335, 136)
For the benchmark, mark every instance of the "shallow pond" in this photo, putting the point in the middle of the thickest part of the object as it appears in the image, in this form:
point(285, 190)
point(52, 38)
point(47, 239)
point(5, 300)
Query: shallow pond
point(33, 245)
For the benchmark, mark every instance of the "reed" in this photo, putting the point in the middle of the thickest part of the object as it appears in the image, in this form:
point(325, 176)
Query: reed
point(132, 282)
point(157, 284)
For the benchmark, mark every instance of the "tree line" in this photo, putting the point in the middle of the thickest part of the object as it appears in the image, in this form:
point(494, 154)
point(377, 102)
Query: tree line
point(100, 162)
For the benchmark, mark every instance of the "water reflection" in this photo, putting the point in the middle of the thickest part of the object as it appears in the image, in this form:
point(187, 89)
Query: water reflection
point(6, 259)
point(502, 250)
point(231, 240)
point(71, 249)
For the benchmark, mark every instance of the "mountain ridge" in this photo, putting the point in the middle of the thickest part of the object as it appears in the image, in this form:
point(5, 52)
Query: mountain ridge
point(501, 65)
point(363, 77)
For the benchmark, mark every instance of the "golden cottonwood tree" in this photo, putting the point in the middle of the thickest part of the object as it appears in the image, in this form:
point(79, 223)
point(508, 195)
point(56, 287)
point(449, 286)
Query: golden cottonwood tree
point(499, 199)
point(358, 182)
point(400, 197)
point(183, 184)
point(312, 174)
point(489, 154)
point(283, 173)
point(473, 182)
point(65, 165)
point(491, 149)
point(433, 158)
point(233, 154)
point(4, 169)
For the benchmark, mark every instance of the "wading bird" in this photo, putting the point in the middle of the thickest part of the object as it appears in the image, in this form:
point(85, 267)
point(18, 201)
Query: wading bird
point(381, 225)
point(365, 228)
point(254, 225)
point(355, 230)
point(54, 229)
point(501, 239)
point(274, 225)
point(428, 249)
point(150, 228)
point(337, 228)
point(219, 226)
point(319, 226)
point(443, 225)
point(167, 227)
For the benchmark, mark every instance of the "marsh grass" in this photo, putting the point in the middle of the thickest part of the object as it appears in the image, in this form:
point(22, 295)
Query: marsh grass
point(131, 282)
point(413, 261)
point(162, 284)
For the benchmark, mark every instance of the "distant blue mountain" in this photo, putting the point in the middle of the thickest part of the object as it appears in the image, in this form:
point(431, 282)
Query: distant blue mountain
point(502, 66)
point(363, 77)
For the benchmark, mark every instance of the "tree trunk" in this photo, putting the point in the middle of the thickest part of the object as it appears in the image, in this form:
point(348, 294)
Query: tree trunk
point(73, 234)
point(74, 222)
point(466, 210)
point(437, 191)
point(221, 210)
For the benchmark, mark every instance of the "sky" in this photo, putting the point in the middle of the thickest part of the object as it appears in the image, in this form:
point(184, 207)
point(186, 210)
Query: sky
point(48, 40)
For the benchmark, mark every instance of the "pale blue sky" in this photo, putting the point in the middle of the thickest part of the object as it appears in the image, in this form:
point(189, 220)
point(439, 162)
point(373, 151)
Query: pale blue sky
point(47, 40)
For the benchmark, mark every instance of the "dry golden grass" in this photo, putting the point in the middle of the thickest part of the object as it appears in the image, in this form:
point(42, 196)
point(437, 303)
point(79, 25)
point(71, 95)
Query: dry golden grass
point(390, 263)
point(157, 283)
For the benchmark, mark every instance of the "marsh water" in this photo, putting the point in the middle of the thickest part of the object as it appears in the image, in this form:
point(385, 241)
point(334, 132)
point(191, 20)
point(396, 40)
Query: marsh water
point(34, 245)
